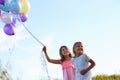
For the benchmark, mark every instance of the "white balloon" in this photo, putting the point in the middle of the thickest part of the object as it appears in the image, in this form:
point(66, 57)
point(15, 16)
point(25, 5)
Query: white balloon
point(6, 17)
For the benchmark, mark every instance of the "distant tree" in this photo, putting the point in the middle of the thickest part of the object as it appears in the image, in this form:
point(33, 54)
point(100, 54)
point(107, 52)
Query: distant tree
point(4, 75)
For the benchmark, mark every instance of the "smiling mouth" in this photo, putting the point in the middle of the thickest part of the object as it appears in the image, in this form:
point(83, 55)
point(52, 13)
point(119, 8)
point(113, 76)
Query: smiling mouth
point(80, 49)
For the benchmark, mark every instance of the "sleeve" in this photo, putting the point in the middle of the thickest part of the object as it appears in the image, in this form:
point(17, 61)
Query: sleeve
point(87, 57)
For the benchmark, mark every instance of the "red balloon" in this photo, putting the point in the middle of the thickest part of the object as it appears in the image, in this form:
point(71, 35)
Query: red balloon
point(9, 29)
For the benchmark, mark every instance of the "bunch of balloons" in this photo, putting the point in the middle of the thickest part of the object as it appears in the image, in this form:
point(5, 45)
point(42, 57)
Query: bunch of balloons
point(11, 11)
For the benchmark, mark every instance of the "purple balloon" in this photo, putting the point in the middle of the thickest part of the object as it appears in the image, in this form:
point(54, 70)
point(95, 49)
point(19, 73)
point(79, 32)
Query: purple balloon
point(22, 17)
point(2, 2)
point(0, 12)
point(8, 29)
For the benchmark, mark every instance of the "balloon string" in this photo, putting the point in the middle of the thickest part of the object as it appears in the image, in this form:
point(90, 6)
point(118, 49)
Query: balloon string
point(32, 34)
point(41, 44)
point(45, 66)
point(41, 51)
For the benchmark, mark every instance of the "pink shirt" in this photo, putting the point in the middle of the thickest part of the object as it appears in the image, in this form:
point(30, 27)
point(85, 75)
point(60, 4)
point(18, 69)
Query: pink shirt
point(68, 70)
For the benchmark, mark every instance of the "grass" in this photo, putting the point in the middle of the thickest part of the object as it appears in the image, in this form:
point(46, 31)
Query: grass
point(106, 77)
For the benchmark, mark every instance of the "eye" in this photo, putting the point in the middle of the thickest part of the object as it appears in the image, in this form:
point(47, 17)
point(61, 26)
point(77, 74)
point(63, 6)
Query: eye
point(63, 49)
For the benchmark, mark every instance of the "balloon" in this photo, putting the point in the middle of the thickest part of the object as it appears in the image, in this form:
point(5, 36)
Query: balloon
point(8, 29)
point(6, 17)
point(0, 12)
point(12, 10)
point(5, 8)
point(22, 17)
point(20, 0)
point(14, 6)
point(2, 2)
point(14, 21)
point(25, 6)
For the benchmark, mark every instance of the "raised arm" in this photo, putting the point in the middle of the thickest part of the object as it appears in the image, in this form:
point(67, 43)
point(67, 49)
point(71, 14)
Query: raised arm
point(48, 58)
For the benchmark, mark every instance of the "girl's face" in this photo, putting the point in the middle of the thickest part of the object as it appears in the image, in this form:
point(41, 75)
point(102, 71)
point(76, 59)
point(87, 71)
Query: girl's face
point(78, 48)
point(64, 51)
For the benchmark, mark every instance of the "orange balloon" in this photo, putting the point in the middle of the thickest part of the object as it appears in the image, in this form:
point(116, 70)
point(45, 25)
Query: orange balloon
point(21, 0)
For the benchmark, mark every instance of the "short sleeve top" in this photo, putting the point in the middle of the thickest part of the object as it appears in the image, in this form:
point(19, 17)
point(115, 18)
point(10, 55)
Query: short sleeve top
point(81, 63)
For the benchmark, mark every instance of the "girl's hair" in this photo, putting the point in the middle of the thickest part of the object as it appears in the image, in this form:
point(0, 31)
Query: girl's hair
point(75, 45)
point(60, 52)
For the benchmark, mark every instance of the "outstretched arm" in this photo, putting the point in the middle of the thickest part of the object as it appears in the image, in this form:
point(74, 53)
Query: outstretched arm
point(48, 58)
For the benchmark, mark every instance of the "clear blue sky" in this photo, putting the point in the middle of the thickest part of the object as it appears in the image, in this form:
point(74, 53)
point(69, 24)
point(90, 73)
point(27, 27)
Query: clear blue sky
point(62, 22)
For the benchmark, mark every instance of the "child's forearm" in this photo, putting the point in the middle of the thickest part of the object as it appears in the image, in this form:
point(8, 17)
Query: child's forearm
point(91, 65)
point(47, 57)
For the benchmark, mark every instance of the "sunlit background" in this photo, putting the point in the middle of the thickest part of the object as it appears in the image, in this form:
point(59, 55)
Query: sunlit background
point(62, 22)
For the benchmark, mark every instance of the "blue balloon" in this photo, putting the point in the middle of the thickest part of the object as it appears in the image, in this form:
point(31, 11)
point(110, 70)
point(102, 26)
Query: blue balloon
point(15, 6)
point(4, 8)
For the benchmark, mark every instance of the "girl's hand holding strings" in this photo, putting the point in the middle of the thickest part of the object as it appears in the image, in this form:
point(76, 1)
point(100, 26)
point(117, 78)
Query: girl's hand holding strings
point(44, 48)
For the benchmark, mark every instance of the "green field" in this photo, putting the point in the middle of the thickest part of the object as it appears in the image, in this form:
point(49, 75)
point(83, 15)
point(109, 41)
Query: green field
point(4, 76)
point(106, 77)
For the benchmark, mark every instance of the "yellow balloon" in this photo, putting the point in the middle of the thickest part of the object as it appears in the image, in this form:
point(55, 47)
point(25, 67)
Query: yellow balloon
point(25, 6)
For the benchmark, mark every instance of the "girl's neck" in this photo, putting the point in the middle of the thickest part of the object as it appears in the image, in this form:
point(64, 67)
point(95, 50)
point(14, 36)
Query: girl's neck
point(67, 58)
point(78, 54)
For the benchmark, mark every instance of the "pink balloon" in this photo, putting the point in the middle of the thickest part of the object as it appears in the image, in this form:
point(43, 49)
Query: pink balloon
point(9, 29)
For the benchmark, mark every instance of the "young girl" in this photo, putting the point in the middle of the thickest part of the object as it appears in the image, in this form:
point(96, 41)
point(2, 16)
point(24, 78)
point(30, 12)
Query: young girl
point(67, 66)
point(81, 62)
